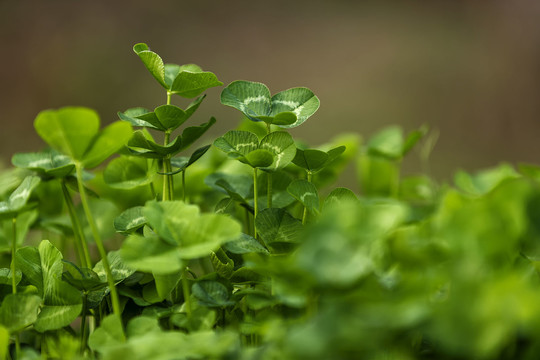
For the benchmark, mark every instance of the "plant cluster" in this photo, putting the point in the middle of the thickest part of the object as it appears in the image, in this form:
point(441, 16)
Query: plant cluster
point(240, 250)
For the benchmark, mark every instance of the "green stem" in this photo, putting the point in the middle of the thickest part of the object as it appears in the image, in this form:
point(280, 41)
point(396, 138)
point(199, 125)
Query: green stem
point(99, 243)
point(13, 252)
point(17, 346)
point(167, 169)
point(186, 291)
point(153, 191)
point(184, 185)
point(255, 203)
point(248, 228)
point(83, 322)
point(269, 190)
point(80, 241)
point(304, 214)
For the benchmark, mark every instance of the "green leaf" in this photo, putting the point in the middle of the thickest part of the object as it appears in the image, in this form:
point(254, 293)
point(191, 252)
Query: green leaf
point(278, 229)
point(152, 61)
point(194, 106)
point(412, 139)
point(259, 158)
point(238, 186)
point(251, 98)
point(282, 147)
point(338, 197)
point(300, 101)
point(310, 159)
point(83, 279)
point(182, 225)
point(165, 284)
point(70, 130)
point(108, 334)
point(19, 197)
point(130, 220)
point(110, 140)
point(245, 244)
point(19, 311)
point(24, 221)
point(484, 181)
point(223, 264)
point(151, 254)
point(141, 145)
point(284, 118)
point(170, 116)
point(141, 326)
point(129, 172)
point(237, 143)
point(48, 163)
point(120, 270)
point(305, 192)
point(139, 117)
point(211, 293)
point(190, 84)
point(388, 142)
point(43, 267)
point(6, 277)
point(287, 109)
point(183, 162)
point(193, 133)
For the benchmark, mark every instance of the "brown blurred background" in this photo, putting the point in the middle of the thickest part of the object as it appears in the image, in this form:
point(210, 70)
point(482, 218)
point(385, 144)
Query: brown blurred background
point(467, 68)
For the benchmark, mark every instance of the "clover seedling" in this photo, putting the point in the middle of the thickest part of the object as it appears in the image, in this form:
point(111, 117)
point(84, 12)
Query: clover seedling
point(286, 109)
point(187, 81)
point(74, 131)
point(272, 152)
point(51, 164)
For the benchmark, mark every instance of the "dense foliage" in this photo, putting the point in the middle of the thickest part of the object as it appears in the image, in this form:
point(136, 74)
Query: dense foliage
point(242, 249)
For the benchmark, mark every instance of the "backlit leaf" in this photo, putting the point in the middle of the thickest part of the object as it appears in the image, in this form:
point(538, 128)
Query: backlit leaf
point(152, 61)
point(190, 84)
point(130, 220)
point(70, 130)
point(109, 140)
point(282, 147)
point(300, 101)
point(305, 192)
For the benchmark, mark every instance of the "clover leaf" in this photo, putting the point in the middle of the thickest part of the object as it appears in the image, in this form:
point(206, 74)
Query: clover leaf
point(287, 109)
point(187, 81)
point(74, 131)
point(275, 151)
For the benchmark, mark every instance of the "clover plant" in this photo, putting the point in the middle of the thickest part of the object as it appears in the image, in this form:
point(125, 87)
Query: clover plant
point(268, 260)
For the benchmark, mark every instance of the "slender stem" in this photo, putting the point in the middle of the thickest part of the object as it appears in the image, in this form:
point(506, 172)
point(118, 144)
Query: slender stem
point(99, 243)
point(255, 203)
point(13, 252)
point(152, 190)
point(184, 185)
point(186, 291)
point(304, 214)
point(169, 94)
point(83, 322)
point(167, 168)
point(17, 346)
point(269, 190)
point(80, 241)
point(268, 128)
point(248, 228)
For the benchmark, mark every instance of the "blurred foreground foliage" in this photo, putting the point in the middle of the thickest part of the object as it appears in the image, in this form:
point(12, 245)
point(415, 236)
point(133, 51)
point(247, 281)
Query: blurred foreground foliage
point(407, 269)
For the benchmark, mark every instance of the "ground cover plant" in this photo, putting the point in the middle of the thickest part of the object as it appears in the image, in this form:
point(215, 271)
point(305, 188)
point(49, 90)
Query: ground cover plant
point(127, 242)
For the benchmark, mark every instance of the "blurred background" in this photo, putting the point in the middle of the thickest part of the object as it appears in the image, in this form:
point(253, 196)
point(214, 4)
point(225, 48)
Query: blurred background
point(467, 68)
